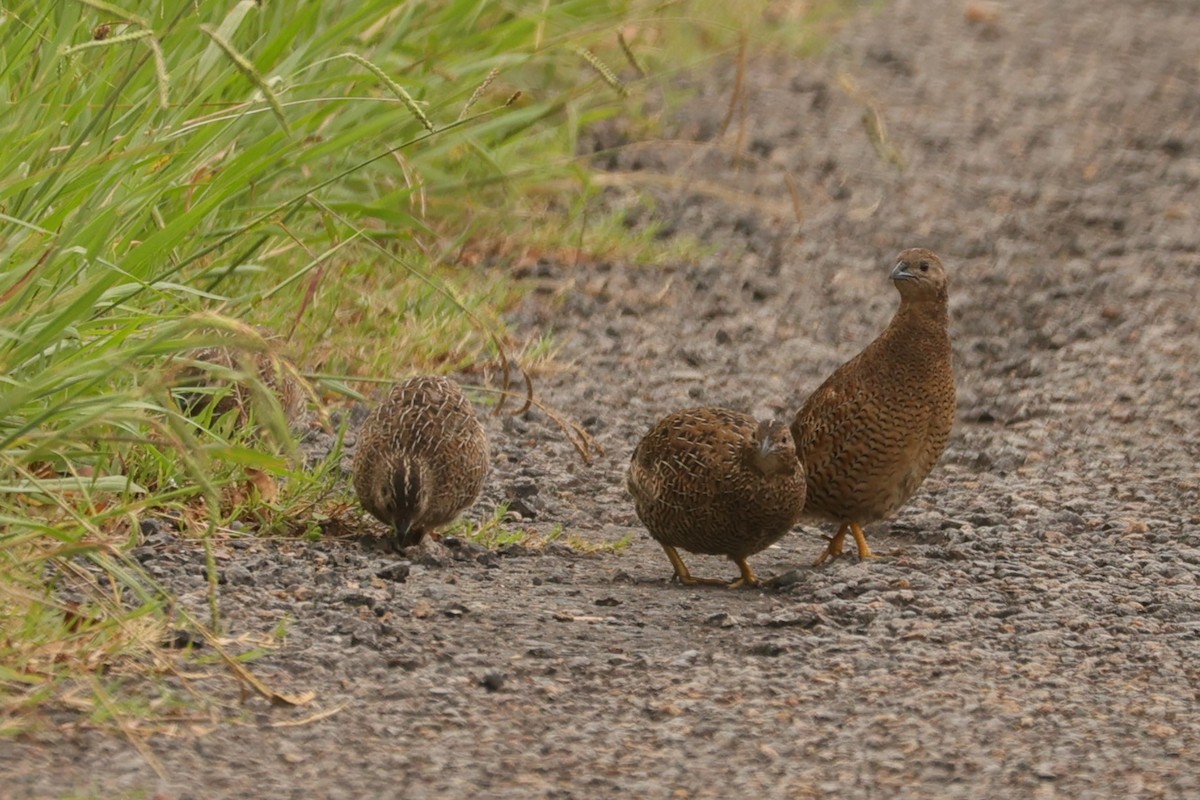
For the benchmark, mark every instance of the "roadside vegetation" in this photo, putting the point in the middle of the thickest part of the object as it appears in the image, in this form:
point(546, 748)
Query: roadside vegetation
point(351, 184)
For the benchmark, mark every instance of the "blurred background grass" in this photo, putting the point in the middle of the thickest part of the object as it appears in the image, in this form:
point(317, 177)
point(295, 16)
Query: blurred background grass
point(355, 178)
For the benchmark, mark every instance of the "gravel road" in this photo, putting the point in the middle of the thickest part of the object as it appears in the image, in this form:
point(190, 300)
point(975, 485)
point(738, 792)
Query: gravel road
point(1033, 629)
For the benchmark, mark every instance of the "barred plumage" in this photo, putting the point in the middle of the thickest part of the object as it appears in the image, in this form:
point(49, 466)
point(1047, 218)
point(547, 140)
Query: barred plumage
point(718, 482)
point(872, 432)
point(421, 458)
point(277, 374)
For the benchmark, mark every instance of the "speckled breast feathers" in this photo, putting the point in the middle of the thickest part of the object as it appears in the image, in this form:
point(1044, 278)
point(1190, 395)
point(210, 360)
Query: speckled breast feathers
point(715, 481)
point(421, 457)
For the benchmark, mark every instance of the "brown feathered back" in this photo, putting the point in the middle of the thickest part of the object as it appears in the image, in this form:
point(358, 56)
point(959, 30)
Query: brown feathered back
point(715, 481)
point(275, 372)
point(871, 433)
point(421, 457)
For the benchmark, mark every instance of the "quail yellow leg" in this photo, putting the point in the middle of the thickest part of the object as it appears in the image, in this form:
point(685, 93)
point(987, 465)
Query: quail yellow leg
point(748, 577)
point(864, 552)
point(834, 548)
point(681, 570)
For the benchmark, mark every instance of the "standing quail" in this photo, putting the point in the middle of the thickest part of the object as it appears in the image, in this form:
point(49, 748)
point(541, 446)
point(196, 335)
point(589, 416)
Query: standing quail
point(719, 482)
point(421, 458)
point(874, 429)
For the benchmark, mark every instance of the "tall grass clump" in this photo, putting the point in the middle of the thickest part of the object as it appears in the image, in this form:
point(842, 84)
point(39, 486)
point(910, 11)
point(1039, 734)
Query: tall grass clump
point(169, 168)
point(174, 174)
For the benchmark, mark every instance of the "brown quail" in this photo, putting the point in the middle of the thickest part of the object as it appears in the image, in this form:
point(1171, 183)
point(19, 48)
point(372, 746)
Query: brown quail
point(421, 458)
point(871, 433)
point(276, 373)
point(718, 482)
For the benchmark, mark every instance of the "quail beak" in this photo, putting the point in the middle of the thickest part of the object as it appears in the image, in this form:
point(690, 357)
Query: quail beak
point(900, 272)
point(402, 530)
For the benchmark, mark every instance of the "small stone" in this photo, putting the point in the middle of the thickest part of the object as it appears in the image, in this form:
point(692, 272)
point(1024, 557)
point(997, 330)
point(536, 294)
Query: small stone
point(397, 572)
point(768, 649)
point(515, 551)
point(358, 599)
point(406, 663)
point(427, 558)
point(524, 507)
point(437, 592)
point(493, 680)
point(236, 575)
point(1045, 772)
point(291, 755)
point(687, 658)
point(524, 488)
point(365, 639)
point(793, 577)
point(143, 554)
point(789, 619)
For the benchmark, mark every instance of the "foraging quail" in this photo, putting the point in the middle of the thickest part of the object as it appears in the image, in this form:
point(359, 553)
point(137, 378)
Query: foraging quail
point(421, 458)
point(871, 433)
point(276, 373)
point(718, 482)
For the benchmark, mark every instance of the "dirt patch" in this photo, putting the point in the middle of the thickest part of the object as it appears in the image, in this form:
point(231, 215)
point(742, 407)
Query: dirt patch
point(1034, 629)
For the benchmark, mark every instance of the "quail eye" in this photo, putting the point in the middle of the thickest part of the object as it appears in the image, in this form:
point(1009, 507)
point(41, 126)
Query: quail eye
point(924, 266)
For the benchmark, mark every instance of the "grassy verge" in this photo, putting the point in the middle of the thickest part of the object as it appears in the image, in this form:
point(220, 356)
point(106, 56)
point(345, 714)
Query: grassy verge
point(344, 174)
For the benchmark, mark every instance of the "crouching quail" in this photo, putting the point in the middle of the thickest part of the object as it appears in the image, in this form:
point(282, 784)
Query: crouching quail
point(719, 482)
point(421, 458)
point(219, 381)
